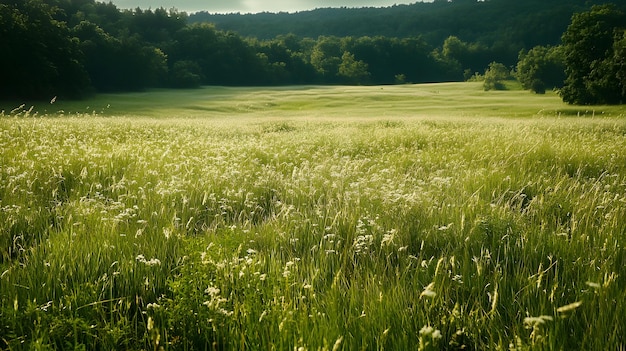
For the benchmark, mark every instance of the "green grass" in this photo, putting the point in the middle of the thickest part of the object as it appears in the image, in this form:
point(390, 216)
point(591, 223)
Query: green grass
point(430, 217)
point(400, 101)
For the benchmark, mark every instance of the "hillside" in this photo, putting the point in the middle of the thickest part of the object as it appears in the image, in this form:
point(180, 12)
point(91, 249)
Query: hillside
point(522, 24)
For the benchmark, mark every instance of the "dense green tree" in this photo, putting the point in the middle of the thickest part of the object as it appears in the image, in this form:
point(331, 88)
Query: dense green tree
point(198, 43)
point(377, 53)
point(541, 67)
point(353, 71)
point(620, 60)
point(413, 58)
point(495, 75)
point(39, 58)
point(457, 56)
point(100, 55)
point(388, 58)
point(71, 47)
point(286, 59)
point(185, 74)
point(224, 58)
point(504, 27)
point(155, 26)
point(140, 65)
point(326, 57)
point(592, 72)
point(119, 64)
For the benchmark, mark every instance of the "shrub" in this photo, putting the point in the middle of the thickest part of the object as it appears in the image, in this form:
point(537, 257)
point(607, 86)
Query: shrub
point(494, 75)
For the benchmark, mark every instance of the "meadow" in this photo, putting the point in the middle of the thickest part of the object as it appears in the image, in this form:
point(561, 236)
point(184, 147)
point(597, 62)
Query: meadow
point(428, 217)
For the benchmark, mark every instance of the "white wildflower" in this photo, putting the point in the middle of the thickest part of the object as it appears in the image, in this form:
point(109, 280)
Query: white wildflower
point(570, 307)
point(151, 262)
point(535, 321)
point(428, 291)
point(213, 291)
point(153, 306)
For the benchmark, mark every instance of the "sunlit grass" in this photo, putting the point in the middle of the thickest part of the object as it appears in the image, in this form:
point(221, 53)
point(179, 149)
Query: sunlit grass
point(328, 102)
point(321, 218)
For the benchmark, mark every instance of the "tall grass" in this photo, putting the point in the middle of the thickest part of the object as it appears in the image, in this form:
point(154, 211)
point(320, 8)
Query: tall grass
point(296, 232)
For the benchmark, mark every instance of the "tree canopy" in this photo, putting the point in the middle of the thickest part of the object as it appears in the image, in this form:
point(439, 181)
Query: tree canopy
point(541, 67)
point(72, 48)
point(39, 57)
point(594, 57)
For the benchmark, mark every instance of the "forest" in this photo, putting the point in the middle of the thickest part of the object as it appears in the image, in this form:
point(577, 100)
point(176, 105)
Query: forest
point(74, 48)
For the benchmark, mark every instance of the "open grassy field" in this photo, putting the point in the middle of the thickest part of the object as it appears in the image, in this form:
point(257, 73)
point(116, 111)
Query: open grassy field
point(313, 218)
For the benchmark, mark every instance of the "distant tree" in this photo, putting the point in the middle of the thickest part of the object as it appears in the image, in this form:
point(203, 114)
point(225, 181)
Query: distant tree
point(495, 75)
point(185, 74)
point(353, 71)
point(119, 64)
point(141, 65)
point(413, 58)
point(224, 57)
point(196, 43)
point(39, 58)
point(453, 50)
point(326, 57)
point(620, 60)
point(155, 26)
point(456, 57)
point(100, 55)
point(540, 68)
point(387, 58)
point(285, 60)
point(592, 44)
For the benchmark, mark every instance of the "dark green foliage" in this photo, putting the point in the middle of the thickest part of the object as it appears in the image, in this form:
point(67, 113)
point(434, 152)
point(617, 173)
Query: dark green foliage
point(620, 60)
point(351, 70)
point(185, 74)
point(540, 68)
point(72, 48)
point(593, 47)
point(223, 58)
point(39, 58)
point(119, 64)
point(495, 75)
point(389, 57)
point(458, 57)
point(287, 59)
point(470, 20)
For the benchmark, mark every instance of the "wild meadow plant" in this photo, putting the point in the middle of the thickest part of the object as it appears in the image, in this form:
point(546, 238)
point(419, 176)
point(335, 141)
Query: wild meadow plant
point(405, 233)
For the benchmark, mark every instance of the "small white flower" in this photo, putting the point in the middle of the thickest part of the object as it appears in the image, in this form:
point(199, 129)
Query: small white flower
point(153, 305)
point(428, 291)
point(570, 307)
point(213, 291)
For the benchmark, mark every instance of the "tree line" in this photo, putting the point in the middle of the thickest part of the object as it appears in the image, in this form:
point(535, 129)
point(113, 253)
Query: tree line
point(73, 48)
point(589, 66)
point(503, 23)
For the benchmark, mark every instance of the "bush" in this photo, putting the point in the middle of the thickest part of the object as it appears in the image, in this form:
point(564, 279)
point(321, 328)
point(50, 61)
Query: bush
point(495, 74)
point(541, 68)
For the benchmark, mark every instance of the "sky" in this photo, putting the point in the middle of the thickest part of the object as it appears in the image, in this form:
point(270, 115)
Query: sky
point(251, 6)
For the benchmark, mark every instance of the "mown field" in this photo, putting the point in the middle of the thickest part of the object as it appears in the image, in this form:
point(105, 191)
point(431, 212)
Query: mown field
point(429, 217)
